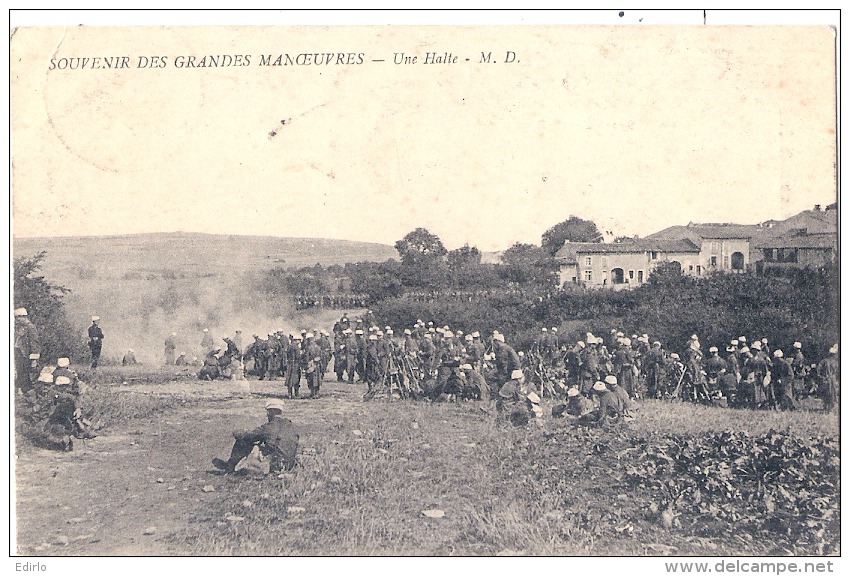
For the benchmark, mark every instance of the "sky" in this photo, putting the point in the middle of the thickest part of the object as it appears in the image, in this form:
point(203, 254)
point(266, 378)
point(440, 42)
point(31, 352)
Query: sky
point(634, 127)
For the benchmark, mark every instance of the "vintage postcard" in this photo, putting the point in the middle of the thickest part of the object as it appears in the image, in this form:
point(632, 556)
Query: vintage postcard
point(406, 290)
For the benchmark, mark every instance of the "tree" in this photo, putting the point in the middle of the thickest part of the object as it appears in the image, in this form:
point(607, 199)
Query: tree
point(46, 309)
point(528, 264)
point(464, 257)
point(419, 247)
point(521, 253)
point(573, 229)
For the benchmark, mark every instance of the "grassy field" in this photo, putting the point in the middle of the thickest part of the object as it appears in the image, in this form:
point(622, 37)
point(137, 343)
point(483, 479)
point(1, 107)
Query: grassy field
point(373, 475)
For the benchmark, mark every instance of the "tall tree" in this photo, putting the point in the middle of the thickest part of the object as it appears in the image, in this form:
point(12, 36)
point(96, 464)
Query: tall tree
point(573, 229)
point(420, 247)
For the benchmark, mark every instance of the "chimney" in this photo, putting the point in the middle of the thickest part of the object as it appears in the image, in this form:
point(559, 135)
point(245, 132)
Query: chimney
point(817, 207)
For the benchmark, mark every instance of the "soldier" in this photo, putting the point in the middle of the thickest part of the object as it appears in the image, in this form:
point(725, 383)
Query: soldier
point(577, 404)
point(26, 344)
point(325, 346)
point(352, 353)
point(572, 362)
point(590, 371)
point(624, 366)
point(181, 360)
point(170, 347)
point(237, 341)
point(507, 360)
point(312, 364)
point(256, 351)
point(427, 352)
point(271, 357)
point(211, 369)
point(514, 402)
point(782, 380)
point(277, 439)
point(293, 366)
point(610, 409)
point(731, 376)
point(801, 370)
point(758, 367)
point(476, 383)
point(612, 385)
point(828, 371)
point(714, 367)
point(95, 340)
point(339, 354)
point(207, 342)
point(129, 358)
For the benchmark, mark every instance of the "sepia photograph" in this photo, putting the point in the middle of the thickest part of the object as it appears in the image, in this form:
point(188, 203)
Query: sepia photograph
point(549, 285)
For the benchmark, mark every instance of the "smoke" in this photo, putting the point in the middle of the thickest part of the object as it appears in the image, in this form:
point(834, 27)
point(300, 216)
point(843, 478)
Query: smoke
point(140, 311)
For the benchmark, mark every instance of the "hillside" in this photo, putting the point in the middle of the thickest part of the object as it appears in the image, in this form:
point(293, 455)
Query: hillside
point(146, 286)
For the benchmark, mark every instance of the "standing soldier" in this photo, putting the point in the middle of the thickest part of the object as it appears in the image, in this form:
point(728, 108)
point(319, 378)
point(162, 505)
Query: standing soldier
point(361, 351)
point(352, 353)
point(170, 347)
point(798, 364)
point(731, 376)
point(589, 365)
point(714, 367)
point(26, 344)
point(478, 351)
point(828, 370)
point(426, 356)
point(782, 379)
point(207, 342)
point(95, 340)
point(312, 364)
point(325, 345)
point(624, 363)
point(293, 366)
point(272, 354)
point(339, 354)
point(758, 365)
point(507, 360)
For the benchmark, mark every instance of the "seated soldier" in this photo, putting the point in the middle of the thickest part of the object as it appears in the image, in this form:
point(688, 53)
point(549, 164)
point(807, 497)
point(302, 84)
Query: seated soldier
point(610, 406)
point(276, 439)
point(577, 405)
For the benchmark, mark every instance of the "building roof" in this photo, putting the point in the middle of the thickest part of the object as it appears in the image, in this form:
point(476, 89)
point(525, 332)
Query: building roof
point(810, 241)
point(698, 232)
point(569, 251)
point(812, 221)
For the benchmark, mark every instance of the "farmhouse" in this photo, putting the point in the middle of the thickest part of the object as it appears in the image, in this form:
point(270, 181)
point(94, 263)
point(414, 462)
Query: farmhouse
point(722, 247)
point(808, 239)
point(621, 265)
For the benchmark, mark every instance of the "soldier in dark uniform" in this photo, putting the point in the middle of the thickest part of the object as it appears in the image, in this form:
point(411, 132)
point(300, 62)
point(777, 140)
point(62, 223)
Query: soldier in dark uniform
point(714, 366)
point(828, 372)
point(26, 344)
point(277, 440)
point(211, 368)
point(312, 365)
point(339, 354)
point(170, 348)
point(590, 371)
point(782, 381)
point(611, 408)
point(293, 366)
point(427, 351)
point(475, 382)
point(507, 360)
point(731, 376)
point(95, 340)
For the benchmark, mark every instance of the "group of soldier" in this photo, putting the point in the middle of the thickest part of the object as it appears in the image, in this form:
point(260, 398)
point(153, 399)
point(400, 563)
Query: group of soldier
point(47, 395)
point(746, 375)
point(332, 301)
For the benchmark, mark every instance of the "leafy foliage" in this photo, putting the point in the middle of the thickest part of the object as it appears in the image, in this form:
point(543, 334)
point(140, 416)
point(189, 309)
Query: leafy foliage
point(573, 229)
point(46, 309)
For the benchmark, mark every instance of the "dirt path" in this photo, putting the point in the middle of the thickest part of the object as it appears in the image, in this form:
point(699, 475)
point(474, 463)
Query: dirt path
point(123, 492)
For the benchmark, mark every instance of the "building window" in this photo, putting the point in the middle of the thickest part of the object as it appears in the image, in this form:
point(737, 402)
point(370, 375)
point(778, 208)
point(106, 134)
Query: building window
point(791, 255)
point(588, 275)
point(640, 276)
point(631, 274)
point(690, 267)
point(653, 255)
point(588, 261)
point(726, 262)
point(714, 261)
point(699, 270)
point(575, 280)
